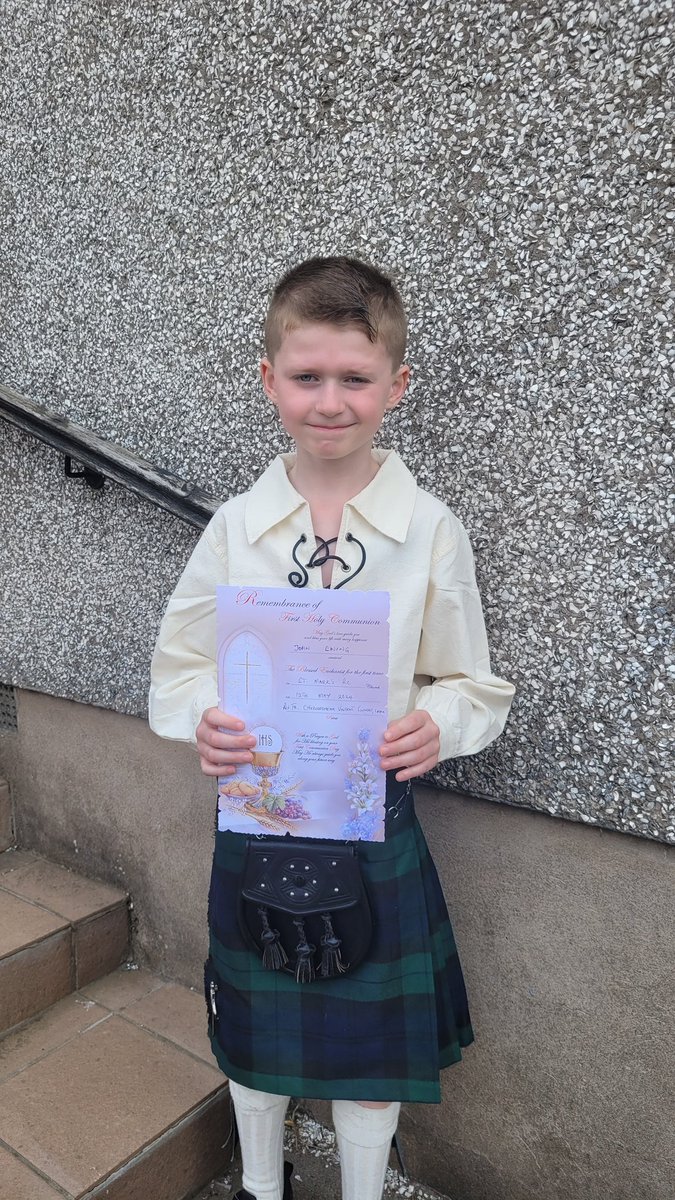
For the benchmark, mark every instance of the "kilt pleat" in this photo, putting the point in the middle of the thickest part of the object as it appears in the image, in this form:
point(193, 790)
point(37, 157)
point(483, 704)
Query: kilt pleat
point(382, 1032)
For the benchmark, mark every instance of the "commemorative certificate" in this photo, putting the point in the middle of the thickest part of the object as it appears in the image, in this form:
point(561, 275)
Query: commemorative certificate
point(308, 673)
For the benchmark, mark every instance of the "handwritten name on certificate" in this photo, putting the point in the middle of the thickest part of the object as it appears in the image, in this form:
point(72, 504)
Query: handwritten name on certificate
point(308, 673)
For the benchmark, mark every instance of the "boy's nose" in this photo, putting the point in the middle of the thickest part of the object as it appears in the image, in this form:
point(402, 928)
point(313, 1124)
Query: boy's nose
point(330, 401)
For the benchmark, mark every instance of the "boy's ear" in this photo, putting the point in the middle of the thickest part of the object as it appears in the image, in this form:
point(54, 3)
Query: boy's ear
point(267, 376)
point(398, 385)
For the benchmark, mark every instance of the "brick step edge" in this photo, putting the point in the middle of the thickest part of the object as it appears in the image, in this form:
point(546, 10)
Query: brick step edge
point(35, 976)
point(175, 1165)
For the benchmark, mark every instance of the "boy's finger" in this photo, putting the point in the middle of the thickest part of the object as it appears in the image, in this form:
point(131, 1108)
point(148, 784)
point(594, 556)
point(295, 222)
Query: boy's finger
point(207, 767)
point(210, 769)
point(416, 761)
point(225, 758)
point(412, 772)
point(408, 724)
point(215, 718)
point(404, 745)
point(226, 720)
point(231, 741)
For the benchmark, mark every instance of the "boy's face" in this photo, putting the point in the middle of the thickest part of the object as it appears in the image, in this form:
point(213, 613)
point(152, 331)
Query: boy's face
point(332, 387)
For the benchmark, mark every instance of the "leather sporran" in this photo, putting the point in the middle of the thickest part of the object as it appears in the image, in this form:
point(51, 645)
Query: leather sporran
point(303, 906)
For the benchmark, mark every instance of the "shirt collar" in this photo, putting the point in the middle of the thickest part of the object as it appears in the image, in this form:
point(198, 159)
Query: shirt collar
point(387, 502)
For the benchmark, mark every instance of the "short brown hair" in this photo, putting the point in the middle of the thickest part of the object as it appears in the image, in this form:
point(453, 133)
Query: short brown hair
point(338, 291)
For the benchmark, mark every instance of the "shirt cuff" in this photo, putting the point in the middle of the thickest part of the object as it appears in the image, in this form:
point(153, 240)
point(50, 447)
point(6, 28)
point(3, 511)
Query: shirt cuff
point(207, 697)
point(445, 708)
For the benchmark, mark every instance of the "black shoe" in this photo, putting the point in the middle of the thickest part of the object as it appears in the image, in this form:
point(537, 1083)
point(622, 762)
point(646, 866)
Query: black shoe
point(288, 1175)
point(288, 1190)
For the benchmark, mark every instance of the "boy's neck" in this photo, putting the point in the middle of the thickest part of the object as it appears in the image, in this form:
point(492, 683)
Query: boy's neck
point(332, 483)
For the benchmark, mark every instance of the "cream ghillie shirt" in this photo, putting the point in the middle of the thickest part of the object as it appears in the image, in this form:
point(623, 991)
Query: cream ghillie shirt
point(416, 549)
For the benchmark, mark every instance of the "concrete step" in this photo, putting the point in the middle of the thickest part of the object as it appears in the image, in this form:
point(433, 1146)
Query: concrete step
point(112, 1094)
point(58, 932)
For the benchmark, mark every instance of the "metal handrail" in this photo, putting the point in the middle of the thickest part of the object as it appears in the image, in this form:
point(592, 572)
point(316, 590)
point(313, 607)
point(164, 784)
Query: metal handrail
point(103, 460)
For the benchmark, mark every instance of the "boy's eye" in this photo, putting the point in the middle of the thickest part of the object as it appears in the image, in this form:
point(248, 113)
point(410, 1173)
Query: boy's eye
point(355, 379)
point(305, 377)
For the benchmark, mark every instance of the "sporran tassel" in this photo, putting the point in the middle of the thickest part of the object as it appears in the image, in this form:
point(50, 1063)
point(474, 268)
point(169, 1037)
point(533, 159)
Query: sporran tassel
point(304, 967)
point(274, 956)
point(331, 956)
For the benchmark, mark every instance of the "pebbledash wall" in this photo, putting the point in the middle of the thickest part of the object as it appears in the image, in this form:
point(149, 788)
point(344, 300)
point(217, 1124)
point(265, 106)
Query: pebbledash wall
point(162, 164)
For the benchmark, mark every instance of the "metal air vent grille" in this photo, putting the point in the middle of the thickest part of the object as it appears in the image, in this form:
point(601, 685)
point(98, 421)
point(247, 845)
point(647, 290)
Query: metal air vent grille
point(7, 709)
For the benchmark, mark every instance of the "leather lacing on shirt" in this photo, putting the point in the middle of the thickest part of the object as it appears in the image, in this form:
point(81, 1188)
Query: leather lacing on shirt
point(320, 556)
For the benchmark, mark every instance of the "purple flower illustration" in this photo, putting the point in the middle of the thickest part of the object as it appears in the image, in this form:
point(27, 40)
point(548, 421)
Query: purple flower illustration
point(362, 791)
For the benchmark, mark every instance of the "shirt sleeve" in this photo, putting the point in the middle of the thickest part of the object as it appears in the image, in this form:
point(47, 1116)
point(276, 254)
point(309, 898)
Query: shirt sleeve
point(183, 670)
point(468, 703)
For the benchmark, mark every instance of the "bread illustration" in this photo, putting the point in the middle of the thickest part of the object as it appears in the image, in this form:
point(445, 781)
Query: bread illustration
point(238, 787)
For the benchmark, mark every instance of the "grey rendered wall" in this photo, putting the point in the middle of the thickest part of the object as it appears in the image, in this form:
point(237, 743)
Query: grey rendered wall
point(566, 935)
point(160, 165)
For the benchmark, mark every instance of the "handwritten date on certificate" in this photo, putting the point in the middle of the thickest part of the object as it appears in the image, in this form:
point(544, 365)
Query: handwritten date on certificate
point(317, 704)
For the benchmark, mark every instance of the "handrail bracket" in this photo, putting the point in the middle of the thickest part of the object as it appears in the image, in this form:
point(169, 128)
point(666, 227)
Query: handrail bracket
point(92, 478)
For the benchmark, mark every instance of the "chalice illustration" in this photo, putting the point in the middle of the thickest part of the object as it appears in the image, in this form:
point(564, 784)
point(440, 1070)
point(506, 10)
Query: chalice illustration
point(266, 757)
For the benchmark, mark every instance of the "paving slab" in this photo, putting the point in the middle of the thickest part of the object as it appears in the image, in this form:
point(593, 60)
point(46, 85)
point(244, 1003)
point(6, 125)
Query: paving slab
point(62, 891)
point(85, 1109)
point(122, 987)
point(19, 1182)
point(37, 1038)
point(176, 1013)
point(12, 860)
point(23, 923)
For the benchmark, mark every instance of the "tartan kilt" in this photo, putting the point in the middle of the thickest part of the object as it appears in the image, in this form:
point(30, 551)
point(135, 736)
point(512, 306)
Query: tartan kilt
point(381, 1032)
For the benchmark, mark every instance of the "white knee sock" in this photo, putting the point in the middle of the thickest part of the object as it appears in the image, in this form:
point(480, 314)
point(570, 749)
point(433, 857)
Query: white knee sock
point(364, 1138)
point(260, 1121)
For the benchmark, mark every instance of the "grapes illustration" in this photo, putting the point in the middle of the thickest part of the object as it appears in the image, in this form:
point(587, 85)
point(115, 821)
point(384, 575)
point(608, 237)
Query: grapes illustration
point(281, 805)
point(295, 811)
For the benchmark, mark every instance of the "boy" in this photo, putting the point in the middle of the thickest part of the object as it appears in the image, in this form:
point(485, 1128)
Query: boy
point(337, 513)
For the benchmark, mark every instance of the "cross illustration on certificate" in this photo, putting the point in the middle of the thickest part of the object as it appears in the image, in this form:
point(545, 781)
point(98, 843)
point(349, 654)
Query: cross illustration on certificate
point(308, 673)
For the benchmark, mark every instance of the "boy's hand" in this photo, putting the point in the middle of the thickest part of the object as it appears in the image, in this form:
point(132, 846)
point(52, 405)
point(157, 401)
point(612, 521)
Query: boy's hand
point(222, 743)
point(411, 745)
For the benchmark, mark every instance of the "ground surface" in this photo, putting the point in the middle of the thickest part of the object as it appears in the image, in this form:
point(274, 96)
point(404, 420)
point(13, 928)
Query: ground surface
point(311, 1148)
